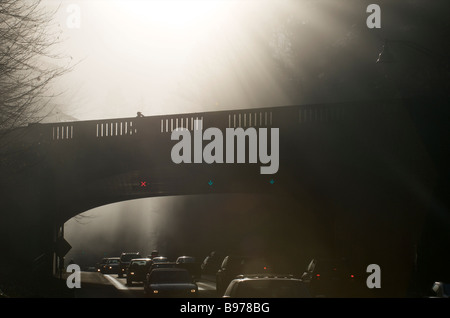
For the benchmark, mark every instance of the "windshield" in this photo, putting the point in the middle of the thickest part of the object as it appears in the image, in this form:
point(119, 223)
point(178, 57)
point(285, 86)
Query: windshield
point(162, 265)
point(186, 260)
point(138, 263)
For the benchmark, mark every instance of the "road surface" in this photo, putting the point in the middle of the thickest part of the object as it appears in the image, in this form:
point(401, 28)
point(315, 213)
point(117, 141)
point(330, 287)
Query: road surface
point(97, 285)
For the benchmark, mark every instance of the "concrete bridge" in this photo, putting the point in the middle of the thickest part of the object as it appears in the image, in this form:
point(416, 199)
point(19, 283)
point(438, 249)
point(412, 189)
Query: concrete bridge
point(368, 159)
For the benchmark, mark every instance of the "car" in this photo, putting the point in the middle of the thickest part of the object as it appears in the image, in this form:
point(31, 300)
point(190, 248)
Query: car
point(101, 265)
point(112, 266)
point(332, 277)
point(137, 270)
point(191, 264)
point(161, 265)
point(170, 282)
point(158, 265)
point(125, 259)
point(234, 265)
point(267, 286)
point(159, 259)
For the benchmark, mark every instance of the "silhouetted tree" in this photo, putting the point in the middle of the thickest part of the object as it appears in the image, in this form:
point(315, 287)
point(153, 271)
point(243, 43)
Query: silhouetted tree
point(27, 65)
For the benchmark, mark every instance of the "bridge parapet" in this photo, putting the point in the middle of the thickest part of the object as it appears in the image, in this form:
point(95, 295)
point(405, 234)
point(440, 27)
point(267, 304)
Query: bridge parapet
point(283, 116)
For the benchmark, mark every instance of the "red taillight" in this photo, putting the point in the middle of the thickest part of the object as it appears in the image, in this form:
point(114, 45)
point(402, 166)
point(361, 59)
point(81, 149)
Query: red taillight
point(352, 276)
point(265, 267)
point(318, 275)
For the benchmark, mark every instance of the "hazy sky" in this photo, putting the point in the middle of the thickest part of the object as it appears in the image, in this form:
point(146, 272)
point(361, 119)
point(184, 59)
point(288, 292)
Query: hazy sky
point(175, 56)
point(163, 56)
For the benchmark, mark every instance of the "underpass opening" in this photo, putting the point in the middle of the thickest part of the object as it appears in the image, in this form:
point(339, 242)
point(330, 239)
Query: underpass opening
point(279, 227)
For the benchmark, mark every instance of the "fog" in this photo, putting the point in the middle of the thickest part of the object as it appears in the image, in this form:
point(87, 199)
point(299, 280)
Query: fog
point(161, 57)
point(249, 224)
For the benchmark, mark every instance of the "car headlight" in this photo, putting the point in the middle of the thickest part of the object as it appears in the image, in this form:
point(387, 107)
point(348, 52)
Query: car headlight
point(132, 273)
point(110, 267)
point(193, 291)
point(155, 291)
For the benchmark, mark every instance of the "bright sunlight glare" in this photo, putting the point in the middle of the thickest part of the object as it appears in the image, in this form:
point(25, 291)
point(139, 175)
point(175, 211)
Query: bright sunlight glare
point(171, 13)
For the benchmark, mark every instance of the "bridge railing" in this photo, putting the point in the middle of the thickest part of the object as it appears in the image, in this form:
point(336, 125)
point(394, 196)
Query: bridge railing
point(262, 117)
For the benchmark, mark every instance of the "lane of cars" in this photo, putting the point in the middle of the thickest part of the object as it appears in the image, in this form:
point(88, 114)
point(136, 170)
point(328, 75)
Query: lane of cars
point(159, 277)
point(234, 276)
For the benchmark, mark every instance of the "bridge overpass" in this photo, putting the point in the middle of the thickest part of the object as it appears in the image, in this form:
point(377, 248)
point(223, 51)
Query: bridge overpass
point(366, 158)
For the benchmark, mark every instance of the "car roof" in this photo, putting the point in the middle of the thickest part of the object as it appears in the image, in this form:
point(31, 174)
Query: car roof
point(165, 263)
point(170, 269)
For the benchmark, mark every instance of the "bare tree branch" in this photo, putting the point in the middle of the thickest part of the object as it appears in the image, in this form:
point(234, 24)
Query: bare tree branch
point(27, 67)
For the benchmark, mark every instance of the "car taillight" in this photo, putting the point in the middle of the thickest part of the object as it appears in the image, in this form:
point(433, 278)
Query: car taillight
point(352, 276)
